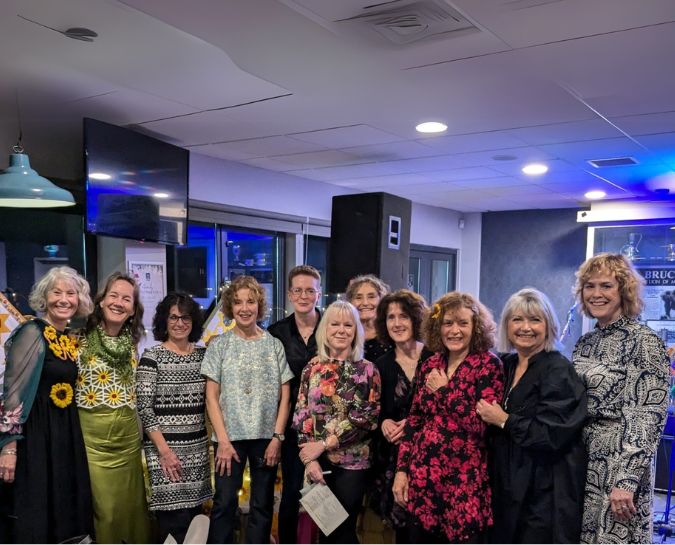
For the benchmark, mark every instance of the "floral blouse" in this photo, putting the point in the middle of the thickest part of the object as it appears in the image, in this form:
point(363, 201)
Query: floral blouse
point(443, 450)
point(340, 398)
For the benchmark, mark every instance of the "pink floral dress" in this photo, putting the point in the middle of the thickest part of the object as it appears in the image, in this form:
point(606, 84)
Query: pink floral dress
point(443, 450)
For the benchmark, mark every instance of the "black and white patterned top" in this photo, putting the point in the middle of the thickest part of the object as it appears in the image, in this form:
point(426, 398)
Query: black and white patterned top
point(171, 398)
point(626, 370)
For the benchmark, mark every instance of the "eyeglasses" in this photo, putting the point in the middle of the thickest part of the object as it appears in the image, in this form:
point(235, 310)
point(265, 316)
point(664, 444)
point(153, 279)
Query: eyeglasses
point(185, 318)
point(309, 292)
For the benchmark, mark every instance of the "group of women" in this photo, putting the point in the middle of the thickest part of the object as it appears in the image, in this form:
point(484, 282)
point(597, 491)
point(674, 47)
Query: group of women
point(466, 444)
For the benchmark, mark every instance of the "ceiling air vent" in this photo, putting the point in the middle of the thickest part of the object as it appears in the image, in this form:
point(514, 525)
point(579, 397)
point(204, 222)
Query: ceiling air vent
point(412, 21)
point(614, 162)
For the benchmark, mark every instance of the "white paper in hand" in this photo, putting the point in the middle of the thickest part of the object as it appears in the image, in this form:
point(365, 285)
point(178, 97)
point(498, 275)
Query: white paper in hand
point(324, 508)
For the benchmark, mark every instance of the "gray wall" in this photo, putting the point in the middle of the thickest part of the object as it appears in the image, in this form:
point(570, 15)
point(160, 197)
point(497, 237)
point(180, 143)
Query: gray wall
point(537, 248)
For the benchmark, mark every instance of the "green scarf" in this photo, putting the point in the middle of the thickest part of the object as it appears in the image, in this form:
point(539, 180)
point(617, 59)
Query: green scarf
point(116, 352)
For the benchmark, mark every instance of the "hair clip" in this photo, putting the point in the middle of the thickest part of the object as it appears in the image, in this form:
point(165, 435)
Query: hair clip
point(437, 311)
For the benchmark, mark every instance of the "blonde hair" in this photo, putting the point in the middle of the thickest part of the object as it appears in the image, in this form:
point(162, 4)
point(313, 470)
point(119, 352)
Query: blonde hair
point(38, 295)
point(340, 307)
point(630, 281)
point(530, 302)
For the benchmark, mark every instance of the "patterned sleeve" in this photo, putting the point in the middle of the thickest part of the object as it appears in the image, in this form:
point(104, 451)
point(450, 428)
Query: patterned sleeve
point(644, 409)
point(146, 388)
point(25, 352)
point(414, 420)
point(284, 369)
point(303, 422)
point(364, 405)
point(488, 385)
point(212, 364)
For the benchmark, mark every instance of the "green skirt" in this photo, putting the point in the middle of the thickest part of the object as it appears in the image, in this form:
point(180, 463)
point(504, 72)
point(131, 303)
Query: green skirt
point(113, 444)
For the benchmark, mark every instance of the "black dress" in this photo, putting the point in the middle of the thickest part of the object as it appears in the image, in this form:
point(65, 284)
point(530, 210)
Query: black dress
point(395, 400)
point(51, 493)
point(373, 350)
point(538, 461)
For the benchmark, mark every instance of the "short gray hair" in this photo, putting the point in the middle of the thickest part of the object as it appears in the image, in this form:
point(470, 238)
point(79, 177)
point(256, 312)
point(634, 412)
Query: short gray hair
point(340, 307)
point(531, 302)
point(38, 295)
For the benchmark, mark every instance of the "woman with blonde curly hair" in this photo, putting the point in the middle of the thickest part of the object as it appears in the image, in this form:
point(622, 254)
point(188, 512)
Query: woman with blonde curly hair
point(44, 479)
point(442, 477)
point(247, 399)
point(625, 368)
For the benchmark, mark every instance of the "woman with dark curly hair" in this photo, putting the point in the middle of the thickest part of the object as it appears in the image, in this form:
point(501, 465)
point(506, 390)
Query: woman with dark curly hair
point(45, 495)
point(398, 323)
point(171, 405)
point(106, 398)
point(626, 370)
point(442, 477)
point(247, 398)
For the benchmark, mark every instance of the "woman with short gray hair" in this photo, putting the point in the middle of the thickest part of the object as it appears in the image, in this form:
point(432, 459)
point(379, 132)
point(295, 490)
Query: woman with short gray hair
point(538, 459)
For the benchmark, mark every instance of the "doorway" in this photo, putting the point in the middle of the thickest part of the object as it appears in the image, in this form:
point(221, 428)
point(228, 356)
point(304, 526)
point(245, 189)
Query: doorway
point(433, 271)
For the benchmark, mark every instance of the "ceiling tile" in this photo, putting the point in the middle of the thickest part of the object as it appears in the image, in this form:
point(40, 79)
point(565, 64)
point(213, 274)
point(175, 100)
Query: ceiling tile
point(343, 137)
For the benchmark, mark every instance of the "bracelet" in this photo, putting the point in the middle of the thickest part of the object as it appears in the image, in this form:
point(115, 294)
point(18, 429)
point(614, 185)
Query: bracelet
point(325, 445)
point(8, 452)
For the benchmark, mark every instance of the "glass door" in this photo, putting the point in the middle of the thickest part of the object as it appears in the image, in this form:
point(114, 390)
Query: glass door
point(432, 271)
point(257, 254)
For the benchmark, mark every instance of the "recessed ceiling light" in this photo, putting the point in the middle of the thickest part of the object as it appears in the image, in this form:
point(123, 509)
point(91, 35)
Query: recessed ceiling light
point(99, 176)
point(430, 127)
point(535, 169)
point(162, 195)
point(597, 194)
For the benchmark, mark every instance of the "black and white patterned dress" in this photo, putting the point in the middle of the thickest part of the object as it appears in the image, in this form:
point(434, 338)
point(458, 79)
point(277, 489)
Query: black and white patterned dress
point(626, 371)
point(171, 398)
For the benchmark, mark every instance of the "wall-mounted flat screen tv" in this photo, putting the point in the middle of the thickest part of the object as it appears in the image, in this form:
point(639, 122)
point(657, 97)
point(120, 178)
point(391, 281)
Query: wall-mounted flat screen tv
point(137, 186)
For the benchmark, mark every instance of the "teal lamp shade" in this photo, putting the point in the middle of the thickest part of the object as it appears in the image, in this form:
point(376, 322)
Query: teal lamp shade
point(22, 187)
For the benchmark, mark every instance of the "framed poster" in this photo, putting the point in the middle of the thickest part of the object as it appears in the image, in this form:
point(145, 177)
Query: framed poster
point(151, 281)
point(659, 298)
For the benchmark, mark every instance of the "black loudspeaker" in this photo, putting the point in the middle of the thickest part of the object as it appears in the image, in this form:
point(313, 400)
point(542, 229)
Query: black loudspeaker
point(663, 463)
point(370, 234)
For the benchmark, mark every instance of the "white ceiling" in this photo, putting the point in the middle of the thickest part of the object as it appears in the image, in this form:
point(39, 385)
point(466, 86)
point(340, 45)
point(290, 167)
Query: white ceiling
point(283, 86)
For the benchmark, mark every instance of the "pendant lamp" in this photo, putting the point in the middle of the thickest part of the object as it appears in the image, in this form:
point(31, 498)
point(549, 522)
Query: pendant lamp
point(22, 187)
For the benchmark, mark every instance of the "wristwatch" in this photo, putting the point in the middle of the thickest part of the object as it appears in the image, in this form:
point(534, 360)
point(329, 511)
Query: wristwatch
point(279, 436)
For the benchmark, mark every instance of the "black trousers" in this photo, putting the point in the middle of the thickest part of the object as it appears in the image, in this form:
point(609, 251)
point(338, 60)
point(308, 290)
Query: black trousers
point(176, 522)
point(292, 474)
point(349, 486)
point(226, 500)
